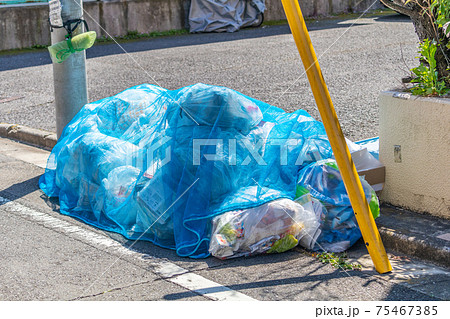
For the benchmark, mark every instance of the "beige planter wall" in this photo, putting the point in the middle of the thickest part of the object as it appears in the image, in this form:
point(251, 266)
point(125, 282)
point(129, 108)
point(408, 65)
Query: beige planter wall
point(415, 148)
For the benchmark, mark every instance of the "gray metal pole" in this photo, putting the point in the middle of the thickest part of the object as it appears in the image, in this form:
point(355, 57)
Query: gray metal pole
point(69, 77)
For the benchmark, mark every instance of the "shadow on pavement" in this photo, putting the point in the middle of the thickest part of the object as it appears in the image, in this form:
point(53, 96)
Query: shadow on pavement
point(393, 18)
point(150, 250)
point(265, 284)
point(41, 57)
point(396, 293)
point(21, 189)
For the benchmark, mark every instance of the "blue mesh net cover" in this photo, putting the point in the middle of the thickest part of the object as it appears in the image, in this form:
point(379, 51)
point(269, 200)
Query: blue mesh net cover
point(339, 228)
point(158, 165)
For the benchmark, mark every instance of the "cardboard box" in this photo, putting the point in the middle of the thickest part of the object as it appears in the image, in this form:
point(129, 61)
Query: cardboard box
point(370, 168)
point(374, 176)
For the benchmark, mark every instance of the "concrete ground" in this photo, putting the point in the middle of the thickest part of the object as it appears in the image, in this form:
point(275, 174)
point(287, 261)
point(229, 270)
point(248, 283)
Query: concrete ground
point(49, 256)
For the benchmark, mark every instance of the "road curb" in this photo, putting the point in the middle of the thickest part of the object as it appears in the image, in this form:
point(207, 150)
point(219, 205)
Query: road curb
point(28, 135)
point(417, 235)
point(416, 248)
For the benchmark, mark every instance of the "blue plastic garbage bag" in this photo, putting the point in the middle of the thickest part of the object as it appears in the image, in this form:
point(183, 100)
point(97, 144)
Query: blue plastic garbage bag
point(158, 165)
point(339, 228)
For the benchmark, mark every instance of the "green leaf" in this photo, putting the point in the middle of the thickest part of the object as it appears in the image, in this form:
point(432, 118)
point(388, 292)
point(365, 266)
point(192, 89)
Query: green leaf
point(427, 76)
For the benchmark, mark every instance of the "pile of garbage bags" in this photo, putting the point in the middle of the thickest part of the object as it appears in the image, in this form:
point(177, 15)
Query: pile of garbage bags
point(202, 170)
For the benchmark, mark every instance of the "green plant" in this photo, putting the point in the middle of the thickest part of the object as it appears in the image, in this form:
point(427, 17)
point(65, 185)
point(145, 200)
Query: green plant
point(431, 19)
point(426, 75)
point(135, 35)
point(39, 46)
point(337, 261)
point(442, 9)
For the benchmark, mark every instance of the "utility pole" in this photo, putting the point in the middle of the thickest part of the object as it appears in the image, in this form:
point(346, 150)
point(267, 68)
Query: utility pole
point(69, 77)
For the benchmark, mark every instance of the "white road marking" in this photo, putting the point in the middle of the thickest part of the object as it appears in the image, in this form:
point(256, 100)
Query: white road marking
point(169, 271)
point(205, 287)
point(445, 236)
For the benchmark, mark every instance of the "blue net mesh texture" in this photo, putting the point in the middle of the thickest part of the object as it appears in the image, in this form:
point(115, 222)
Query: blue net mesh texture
point(339, 228)
point(158, 165)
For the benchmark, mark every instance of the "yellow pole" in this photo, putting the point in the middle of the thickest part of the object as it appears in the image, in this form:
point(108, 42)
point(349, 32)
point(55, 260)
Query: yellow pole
point(344, 160)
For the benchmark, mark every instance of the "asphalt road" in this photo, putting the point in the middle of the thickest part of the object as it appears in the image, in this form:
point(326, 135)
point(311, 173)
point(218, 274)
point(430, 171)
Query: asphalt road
point(359, 59)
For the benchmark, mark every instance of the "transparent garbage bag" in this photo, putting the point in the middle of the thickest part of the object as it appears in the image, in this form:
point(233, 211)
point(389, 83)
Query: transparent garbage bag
point(273, 227)
point(116, 189)
point(372, 145)
point(339, 228)
point(364, 154)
